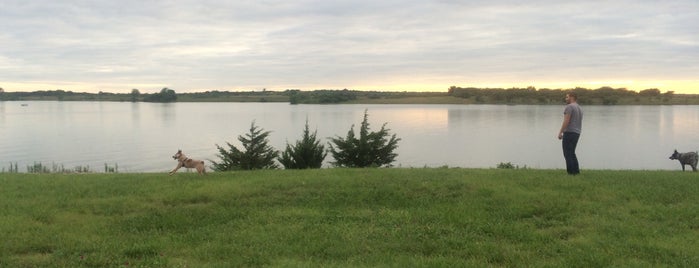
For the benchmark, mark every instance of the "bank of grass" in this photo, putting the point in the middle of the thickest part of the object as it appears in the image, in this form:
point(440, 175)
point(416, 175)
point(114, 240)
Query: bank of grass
point(352, 217)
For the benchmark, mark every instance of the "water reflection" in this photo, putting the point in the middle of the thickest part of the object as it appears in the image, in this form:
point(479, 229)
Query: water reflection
point(2, 113)
point(135, 115)
point(167, 112)
point(425, 118)
point(685, 123)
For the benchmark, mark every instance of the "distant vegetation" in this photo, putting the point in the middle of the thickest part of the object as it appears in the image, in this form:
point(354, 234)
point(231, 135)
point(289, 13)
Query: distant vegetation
point(165, 95)
point(39, 167)
point(600, 96)
point(454, 95)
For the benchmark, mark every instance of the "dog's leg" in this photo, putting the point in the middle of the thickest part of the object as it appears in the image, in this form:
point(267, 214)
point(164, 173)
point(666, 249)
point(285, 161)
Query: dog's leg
point(179, 165)
point(201, 169)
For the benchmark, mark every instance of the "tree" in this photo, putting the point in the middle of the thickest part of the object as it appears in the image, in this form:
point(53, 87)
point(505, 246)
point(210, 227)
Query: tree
point(371, 149)
point(165, 95)
point(306, 153)
point(256, 153)
point(135, 94)
point(651, 92)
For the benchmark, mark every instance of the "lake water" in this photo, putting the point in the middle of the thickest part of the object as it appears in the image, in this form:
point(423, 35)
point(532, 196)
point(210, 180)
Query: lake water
point(142, 137)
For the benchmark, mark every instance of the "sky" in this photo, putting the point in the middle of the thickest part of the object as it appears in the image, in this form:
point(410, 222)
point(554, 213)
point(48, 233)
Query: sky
point(387, 45)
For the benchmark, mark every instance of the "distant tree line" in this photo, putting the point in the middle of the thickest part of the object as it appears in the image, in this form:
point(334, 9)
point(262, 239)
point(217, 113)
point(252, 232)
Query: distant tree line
point(165, 95)
point(323, 96)
point(530, 95)
point(454, 95)
point(41, 95)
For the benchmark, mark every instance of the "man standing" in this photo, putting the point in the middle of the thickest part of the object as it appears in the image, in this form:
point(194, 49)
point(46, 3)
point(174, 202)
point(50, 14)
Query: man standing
point(570, 132)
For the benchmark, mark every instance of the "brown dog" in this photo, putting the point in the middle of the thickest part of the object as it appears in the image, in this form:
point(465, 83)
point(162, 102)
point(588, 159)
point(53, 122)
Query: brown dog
point(183, 161)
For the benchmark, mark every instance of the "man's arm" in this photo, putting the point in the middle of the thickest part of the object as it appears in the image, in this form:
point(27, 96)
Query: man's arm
point(566, 121)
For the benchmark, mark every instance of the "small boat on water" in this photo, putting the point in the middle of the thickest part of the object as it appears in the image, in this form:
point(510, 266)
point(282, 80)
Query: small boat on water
point(24, 104)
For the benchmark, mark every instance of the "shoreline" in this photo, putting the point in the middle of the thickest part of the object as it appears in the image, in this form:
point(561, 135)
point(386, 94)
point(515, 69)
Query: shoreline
point(460, 96)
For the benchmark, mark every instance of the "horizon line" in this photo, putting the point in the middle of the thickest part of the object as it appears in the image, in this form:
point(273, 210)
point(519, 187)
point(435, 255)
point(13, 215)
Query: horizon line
point(338, 89)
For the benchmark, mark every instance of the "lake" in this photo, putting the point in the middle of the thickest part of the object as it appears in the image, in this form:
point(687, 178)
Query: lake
point(142, 137)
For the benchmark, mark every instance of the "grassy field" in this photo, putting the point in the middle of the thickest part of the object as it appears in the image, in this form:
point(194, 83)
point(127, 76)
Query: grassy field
point(352, 218)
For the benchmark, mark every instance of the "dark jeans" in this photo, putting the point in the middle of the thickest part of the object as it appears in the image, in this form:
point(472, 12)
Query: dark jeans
point(570, 141)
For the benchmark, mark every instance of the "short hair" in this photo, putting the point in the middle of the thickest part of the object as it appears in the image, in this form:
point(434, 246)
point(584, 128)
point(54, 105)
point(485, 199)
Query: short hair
point(572, 94)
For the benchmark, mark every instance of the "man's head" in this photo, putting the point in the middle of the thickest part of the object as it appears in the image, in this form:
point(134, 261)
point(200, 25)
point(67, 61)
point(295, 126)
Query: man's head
point(571, 97)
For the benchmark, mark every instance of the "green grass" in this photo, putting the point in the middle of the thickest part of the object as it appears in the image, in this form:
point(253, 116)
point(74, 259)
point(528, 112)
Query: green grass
point(352, 218)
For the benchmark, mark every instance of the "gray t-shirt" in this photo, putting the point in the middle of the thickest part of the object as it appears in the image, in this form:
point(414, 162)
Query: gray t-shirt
point(576, 116)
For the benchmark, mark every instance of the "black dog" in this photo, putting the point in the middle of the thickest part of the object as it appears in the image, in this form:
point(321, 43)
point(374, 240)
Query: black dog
point(686, 159)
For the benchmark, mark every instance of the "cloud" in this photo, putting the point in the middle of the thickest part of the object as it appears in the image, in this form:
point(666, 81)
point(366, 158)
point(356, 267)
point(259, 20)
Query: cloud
point(231, 45)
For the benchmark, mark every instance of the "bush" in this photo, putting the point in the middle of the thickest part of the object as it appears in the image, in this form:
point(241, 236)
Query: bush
point(306, 153)
point(503, 165)
point(371, 149)
point(165, 95)
point(509, 165)
point(257, 154)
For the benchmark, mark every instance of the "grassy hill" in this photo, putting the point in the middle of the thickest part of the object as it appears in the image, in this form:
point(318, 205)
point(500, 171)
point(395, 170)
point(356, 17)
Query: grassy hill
point(352, 218)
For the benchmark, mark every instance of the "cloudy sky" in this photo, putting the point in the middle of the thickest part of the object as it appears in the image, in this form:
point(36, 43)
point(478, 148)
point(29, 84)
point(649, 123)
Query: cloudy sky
point(387, 45)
